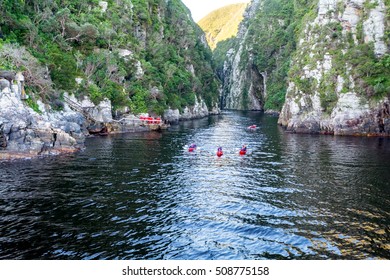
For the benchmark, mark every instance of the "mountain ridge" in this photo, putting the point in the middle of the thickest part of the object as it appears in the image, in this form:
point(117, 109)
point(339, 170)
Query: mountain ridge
point(222, 24)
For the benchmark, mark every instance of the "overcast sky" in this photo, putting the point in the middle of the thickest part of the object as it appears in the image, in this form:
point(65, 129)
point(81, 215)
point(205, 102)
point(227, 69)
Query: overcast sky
point(200, 8)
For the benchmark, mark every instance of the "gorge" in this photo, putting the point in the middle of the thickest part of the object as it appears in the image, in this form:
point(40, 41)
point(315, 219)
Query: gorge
point(72, 69)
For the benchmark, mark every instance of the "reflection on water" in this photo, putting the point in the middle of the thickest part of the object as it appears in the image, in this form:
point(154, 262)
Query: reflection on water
point(143, 196)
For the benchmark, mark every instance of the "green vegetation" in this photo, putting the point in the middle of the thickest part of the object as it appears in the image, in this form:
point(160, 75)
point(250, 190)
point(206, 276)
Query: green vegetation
point(148, 54)
point(370, 73)
point(223, 23)
point(271, 47)
point(219, 54)
point(33, 105)
point(71, 39)
point(270, 43)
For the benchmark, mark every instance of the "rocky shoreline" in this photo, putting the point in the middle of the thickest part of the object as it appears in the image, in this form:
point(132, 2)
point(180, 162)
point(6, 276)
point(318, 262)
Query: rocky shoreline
point(25, 133)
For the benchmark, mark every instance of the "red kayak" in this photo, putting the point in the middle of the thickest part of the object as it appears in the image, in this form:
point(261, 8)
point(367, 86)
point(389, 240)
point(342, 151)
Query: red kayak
point(191, 150)
point(252, 127)
point(242, 152)
point(219, 153)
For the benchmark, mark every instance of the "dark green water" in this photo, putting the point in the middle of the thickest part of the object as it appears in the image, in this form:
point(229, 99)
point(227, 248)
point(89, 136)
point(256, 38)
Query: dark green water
point(143, 196)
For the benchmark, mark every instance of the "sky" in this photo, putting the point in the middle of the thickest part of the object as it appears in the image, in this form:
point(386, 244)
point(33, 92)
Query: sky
point(200, 8)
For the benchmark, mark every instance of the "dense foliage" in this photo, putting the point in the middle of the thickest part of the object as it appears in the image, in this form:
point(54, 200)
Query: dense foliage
point(269, 44)
point(274, 33)
point(219, 54)
point(144, 54)
point(352, 58)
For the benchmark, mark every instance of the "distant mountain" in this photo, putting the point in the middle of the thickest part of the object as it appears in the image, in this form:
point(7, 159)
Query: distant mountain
point(223, 23)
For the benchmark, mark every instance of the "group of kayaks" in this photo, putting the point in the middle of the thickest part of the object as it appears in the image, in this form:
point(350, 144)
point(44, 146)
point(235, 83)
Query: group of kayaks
point(242, 152)
point(192, 148)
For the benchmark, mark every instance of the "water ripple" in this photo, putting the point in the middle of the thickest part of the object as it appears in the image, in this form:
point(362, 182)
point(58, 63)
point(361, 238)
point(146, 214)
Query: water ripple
point(143, 196)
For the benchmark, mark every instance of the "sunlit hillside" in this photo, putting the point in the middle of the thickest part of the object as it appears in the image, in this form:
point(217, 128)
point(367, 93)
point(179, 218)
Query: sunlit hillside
point(223, 23)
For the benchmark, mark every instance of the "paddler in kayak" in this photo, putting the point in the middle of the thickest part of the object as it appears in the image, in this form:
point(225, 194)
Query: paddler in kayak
point(243, 150)
point(192, 148)
point(219, 152)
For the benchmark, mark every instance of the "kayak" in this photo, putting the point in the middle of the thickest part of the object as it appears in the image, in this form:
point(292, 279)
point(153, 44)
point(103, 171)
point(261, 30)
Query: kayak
point(252, 127)
point(191, 150)
point(242, 152)
point(219, 153)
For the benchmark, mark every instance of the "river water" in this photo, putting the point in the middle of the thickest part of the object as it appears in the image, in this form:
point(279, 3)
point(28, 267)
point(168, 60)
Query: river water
point(144, 196)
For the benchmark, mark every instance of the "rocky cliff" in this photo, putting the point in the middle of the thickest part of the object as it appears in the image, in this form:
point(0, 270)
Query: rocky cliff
point(256, 66)
point(339, 82)
point(242, 83)
point(24, 133)
point(325, 64)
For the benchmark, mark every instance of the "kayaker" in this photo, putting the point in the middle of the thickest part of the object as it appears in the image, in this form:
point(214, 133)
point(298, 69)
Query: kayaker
point(192, 147)
point(243, 150)
point(219, 151)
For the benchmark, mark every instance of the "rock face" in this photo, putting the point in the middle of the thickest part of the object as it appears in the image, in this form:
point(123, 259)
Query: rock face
point(199, 110)
point(339, 78)
point(25, 133)
point(243, 85)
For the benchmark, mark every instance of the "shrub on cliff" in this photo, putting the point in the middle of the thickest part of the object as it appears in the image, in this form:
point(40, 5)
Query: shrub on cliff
point(17, 58)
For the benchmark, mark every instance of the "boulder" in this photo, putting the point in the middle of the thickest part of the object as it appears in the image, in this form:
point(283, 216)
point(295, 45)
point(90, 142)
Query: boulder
point(4, 83)
point(8, 75)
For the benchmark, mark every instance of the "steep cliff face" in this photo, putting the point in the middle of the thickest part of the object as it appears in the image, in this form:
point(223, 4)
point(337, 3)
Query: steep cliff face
point(25, 133)
point(242, 83)
point(255, 70)
point(339, 81)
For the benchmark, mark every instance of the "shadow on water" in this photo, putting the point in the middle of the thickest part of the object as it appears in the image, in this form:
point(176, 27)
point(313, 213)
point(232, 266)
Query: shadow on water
point(144, 196)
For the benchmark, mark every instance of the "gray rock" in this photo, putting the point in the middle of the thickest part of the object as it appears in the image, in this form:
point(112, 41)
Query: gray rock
point(4, 83)
point(24, 133)
point(238, 79)
point(8, 75)
point(172, 116)
point(350, 113)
